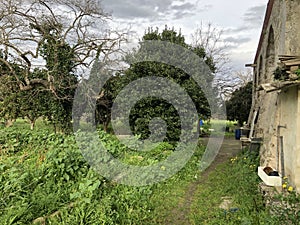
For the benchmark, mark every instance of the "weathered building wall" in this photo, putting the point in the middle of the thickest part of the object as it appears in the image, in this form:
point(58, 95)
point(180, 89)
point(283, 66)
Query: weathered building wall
point(292, 26)
point(296, 177)
point(272, 45)
point(288, 131)
point(280, 36)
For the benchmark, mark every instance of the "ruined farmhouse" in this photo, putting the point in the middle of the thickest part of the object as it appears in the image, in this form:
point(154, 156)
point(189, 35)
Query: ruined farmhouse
point(275, 115)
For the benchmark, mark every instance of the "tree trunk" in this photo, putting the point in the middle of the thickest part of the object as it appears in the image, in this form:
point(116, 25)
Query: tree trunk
point(32, 124)
point(31, 120)
point(105, 126)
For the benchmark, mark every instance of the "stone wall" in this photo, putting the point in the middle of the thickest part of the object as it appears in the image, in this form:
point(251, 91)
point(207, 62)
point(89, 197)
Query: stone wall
point(280, 36)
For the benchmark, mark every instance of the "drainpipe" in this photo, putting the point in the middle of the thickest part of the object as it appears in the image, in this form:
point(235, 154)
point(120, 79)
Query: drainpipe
point(280, 152)
point(282, 157)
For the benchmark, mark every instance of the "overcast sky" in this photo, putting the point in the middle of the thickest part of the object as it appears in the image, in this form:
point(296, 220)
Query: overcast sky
point(241, 20)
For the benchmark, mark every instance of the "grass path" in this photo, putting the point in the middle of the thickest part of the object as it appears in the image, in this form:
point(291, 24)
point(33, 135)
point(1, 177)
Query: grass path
point(180, 215)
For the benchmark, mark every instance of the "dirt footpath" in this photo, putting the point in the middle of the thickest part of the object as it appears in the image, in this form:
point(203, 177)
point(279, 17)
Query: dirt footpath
point(230, 147)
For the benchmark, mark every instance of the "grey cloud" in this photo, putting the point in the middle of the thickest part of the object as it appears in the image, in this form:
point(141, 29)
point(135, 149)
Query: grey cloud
point(252, 19)
point(236, 29)
point(184, 10)
point(150, 9)
point(127, 12)
point(188, 9)
point(129, 9)
point(237, 41)
point(186, 6)
point(135, 8)
point(207, 6)
point(180, 15)
point(254, 15)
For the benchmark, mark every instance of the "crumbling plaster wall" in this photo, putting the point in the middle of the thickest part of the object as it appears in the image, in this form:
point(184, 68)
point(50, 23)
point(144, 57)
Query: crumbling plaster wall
point(267, 103)
point(292, 45)
point(290, 99)
point(289, 125)
point(281, 36)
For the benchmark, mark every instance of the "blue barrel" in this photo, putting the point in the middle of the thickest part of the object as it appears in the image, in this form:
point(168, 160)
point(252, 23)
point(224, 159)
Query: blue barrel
point(237, 134)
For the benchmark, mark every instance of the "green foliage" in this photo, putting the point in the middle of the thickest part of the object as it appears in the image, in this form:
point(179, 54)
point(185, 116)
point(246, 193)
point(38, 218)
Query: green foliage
point(37, 172)
point(10, 96)
point(239, 105)
point(298, 72)
point(109, 92)
point(54, 104)
point(42, 173)
point(60, 63)
point(147, 109)
point(238, 182)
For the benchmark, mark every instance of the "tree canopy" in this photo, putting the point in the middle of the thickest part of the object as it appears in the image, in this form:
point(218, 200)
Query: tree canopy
point(239, 105)
point(147, 109)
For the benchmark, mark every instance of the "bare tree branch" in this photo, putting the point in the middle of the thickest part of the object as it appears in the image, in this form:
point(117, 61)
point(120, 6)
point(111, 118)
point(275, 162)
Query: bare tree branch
point(210, 38)
point(25, 26)
point(226, 80)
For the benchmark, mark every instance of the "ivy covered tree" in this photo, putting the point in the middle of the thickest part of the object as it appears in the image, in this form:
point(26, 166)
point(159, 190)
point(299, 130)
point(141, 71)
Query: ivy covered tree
point(35, 29)
point(54, 104)
point(61, 35)
point(239, 105)
point(10, 96)
point(60, 62)
point(9, 103)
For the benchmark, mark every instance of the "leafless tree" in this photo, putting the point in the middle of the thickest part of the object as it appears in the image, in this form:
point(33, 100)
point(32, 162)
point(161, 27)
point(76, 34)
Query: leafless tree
point(25, 26)
point(226, 79)
point(210, 38)
point(234, 80)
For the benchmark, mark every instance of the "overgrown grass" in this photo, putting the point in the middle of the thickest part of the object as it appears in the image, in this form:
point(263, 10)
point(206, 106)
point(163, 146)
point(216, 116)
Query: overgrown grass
point(43, 177)
point(230, 195)
point(23, 124)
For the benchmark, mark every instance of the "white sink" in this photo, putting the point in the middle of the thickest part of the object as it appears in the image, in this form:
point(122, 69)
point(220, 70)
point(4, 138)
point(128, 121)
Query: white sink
point(269, 180)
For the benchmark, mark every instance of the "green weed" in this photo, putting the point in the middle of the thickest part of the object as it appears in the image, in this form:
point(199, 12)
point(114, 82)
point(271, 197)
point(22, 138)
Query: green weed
point(44, 177)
